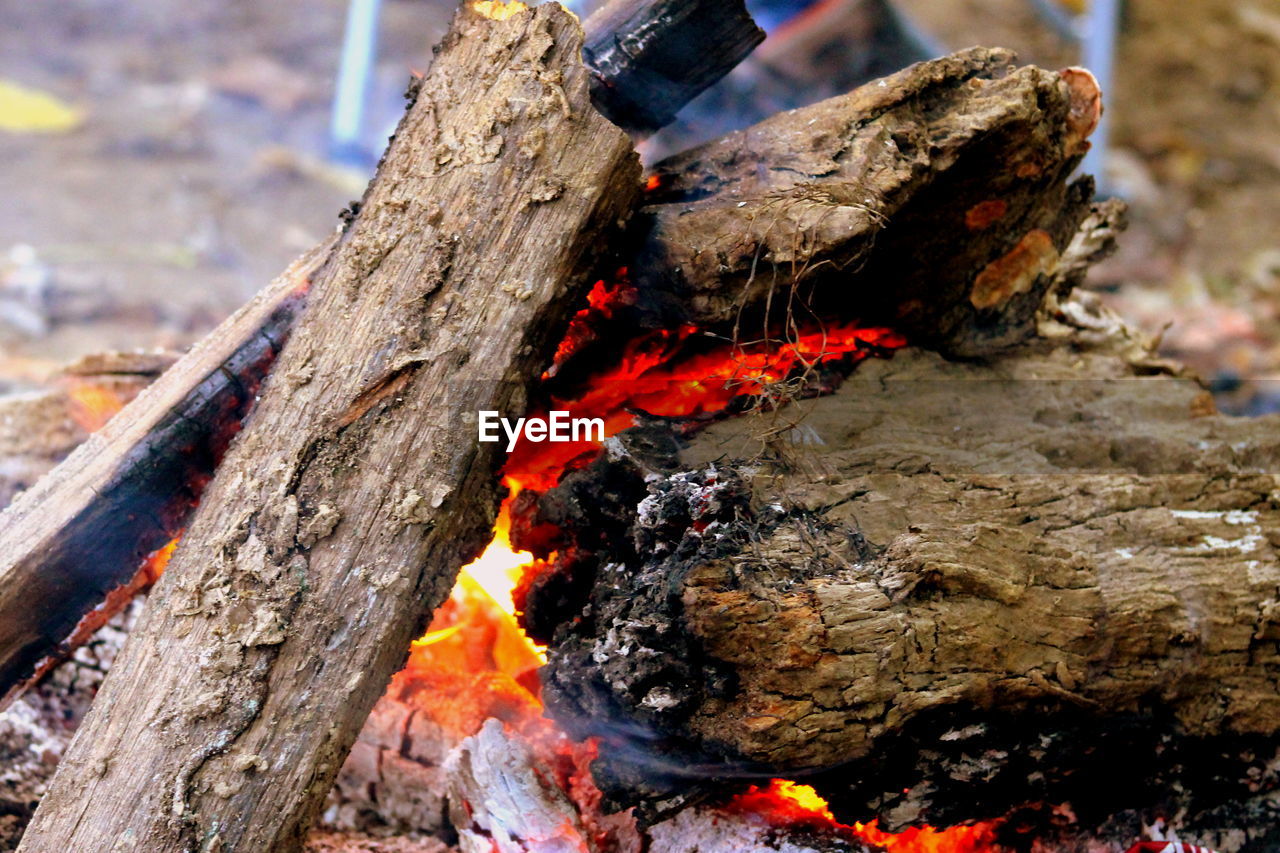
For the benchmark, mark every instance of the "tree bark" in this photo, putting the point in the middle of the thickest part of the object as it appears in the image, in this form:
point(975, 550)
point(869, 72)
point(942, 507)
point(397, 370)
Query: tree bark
point(341, 514)
point(66, 546)
point(85, 529)
point(968, 586)
point(937, 200)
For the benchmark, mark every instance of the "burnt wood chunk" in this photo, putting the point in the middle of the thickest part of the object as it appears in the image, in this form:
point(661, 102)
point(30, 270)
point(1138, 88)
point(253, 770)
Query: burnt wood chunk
point(951, 591)
point(937, 200)
point(651, 57)
point(340, 516)
point(84, 529)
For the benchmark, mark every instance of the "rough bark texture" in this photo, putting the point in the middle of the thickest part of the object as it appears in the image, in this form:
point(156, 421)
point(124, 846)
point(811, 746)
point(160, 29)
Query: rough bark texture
point(935, 200)
point(651, 57)
point(85, 529)
point(964, 162)
point(1040, 578)
point(647, 58)
point(342, 512)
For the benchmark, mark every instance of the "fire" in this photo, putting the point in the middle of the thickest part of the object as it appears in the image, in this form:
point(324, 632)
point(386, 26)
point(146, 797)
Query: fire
point(499, 568)
point(791, 804)
point(92, 403)
point(666, 374)
point(498, 10)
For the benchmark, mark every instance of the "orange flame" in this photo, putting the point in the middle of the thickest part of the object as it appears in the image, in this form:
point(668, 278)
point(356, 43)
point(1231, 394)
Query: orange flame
point(653, 376)
point(92, 404)
point(789, 803)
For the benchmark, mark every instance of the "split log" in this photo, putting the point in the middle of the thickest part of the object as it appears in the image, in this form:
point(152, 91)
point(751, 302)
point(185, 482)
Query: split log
point(67, 547)
point(84, 530)
point(945, 593)
point(341, 514)
point(936, 200)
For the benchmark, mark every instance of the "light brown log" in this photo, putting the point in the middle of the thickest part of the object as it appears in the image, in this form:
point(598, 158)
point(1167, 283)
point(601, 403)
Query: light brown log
point(67, 547)
point(341, 514)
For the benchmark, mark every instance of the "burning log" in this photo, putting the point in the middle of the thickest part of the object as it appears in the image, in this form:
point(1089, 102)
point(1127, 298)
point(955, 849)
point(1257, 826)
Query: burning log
point(952, 591)
point(67, 547)
point(936, 200)
point(651, 57)
point(964, 161)
point(316, 557)
point(86, 528)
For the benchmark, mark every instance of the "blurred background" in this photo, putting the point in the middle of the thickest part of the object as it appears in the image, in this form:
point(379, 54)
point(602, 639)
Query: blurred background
point(161, 160)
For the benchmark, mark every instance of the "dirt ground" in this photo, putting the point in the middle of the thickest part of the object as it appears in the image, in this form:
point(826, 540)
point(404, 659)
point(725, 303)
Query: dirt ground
point(200, 167)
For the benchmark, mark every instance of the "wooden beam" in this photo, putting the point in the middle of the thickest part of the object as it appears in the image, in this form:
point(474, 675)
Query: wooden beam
point(341, 514)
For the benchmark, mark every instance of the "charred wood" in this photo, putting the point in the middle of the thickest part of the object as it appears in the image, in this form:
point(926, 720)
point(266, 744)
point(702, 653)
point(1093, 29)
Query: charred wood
point(651, 57)
point(948, 592)
point(84, 530)
point(938, 200)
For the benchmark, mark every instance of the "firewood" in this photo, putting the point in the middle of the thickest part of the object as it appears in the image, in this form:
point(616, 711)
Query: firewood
point(651, 57)
point(967, 140)
point(340, 515)
point(937, 200)
point(84, 529)
point(68, 548)
point(949, 591)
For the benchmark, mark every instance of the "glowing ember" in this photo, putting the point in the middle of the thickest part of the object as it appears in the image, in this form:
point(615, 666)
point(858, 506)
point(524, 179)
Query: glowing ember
point(655, 376)
point(497, 9)
point(791, 804)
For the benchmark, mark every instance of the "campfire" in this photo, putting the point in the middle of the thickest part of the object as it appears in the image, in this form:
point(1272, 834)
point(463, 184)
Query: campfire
point(892, 541)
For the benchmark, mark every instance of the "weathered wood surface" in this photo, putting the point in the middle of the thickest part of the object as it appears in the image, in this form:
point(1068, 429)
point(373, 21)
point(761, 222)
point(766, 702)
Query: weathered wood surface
point(937, 200)
point(964, 160)
point(85, 528)
point(1047, 577)
point(647, 58)
point(341, 514)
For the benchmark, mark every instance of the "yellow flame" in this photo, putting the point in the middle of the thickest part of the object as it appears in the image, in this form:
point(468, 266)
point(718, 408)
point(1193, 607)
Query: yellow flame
point(804, 796)
point(498, 569)
point(432, 637)
point(497, 9)
point(494, 574)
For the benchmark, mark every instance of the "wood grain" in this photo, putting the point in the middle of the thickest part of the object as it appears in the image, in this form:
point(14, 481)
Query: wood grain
point(342, 513)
